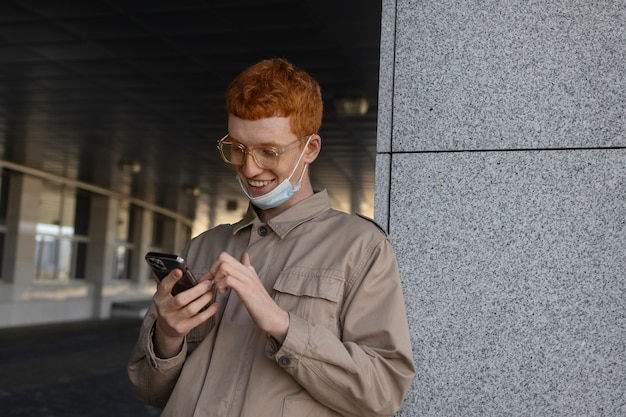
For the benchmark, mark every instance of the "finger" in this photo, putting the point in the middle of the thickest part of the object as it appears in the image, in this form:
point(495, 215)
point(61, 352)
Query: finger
point(236, 275)
point(208, 276)
point(221, 267)
point(221, 284)
point(204, 314)
point(221, 259)
point(167, 283)
point(245, 259)
point(207, 300)
point(198, 307)
point(188, 296)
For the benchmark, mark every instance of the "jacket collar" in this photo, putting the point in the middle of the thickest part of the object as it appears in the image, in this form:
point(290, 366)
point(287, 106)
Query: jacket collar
point(289, 219)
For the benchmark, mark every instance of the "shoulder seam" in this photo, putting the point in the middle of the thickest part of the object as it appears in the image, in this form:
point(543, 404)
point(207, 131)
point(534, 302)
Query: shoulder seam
point(372, 221)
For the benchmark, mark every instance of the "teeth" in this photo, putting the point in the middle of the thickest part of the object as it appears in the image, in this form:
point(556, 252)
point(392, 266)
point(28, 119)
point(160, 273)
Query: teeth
point(258, 183)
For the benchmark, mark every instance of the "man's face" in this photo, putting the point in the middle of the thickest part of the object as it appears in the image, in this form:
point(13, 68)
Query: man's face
point(268, 132)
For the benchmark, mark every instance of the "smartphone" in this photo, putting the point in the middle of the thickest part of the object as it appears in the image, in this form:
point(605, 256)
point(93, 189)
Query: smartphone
point(163, 263)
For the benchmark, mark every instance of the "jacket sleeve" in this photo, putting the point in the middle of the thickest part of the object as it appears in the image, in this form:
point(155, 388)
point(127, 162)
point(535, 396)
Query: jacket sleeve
point(152, 378)
point(368, 369)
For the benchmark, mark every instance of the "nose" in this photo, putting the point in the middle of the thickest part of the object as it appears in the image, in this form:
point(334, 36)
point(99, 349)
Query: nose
point(250, 167)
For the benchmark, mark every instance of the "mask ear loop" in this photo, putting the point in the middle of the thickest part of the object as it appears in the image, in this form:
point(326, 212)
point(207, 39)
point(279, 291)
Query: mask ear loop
point(305, 165)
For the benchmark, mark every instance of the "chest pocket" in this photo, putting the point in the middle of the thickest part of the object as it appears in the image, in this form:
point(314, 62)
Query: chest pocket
point(312, 294)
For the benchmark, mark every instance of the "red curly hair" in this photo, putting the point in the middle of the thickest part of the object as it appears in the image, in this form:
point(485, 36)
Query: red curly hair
point(276, 87)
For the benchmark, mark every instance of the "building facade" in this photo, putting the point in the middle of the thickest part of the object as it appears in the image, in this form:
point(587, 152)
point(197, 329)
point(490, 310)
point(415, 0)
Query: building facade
point(72, 251)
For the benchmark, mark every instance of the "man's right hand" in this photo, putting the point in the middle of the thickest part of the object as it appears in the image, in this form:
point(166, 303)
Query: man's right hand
point(177, 315)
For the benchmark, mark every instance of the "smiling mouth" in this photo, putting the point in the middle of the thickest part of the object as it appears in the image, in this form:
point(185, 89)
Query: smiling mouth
point(258, 187)
point(258, 184)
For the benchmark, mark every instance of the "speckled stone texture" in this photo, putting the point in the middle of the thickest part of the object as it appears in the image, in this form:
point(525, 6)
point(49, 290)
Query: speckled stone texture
point(514, 271)
point(501, 178)
point(514, 74)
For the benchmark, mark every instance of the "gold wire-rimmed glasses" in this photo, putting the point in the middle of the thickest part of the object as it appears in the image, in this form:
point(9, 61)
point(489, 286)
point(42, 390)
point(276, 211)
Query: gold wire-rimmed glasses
point(265, 157)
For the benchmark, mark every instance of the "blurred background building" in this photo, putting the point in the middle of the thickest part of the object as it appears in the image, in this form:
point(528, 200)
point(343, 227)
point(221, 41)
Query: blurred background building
point(110, 111)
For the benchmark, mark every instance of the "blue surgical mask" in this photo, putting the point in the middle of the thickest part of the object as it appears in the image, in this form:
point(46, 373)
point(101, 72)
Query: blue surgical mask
point(279, 195)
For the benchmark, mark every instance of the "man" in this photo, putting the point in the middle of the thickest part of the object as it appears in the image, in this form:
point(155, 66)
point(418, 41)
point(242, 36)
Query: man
point(309, 316)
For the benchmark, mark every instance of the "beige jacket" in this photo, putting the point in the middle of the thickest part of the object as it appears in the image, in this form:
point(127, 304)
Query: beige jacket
point(347, 350)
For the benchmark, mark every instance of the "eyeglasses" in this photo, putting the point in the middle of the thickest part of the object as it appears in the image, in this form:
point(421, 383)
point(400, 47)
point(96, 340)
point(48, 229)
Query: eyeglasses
point(265, 157)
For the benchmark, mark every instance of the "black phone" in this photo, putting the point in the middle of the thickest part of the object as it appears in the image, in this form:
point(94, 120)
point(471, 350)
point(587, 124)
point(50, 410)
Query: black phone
point(163, 263)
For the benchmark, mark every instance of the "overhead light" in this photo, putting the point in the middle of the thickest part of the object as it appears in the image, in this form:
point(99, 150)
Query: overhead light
point(351, 106)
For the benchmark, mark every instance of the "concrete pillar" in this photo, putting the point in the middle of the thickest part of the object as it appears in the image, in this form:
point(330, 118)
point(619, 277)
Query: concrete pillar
point(102, 246)
point(143, 245)
point(501, 177)
point(22, 218)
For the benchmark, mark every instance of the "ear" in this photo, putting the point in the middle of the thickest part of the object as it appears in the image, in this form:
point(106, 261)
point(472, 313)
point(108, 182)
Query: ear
point(312, 149)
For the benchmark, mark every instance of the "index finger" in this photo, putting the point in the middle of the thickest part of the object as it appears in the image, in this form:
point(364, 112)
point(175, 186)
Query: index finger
point(221, 259)
point(207, 276)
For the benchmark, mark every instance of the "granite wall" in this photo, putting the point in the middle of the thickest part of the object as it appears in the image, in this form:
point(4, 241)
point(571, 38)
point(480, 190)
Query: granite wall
point(501, 179)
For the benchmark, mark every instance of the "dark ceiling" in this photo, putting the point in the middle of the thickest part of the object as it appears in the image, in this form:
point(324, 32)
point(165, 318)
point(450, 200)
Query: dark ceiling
point(86, 85)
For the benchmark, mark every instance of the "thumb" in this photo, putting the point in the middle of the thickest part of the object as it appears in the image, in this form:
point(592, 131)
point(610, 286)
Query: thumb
point(245, 259)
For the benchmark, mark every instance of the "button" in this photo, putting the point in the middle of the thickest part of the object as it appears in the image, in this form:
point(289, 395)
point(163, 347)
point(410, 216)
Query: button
point(262, 231)
point(284, 361)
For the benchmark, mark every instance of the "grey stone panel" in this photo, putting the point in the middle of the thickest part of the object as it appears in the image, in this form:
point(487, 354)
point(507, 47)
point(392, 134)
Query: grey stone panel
point(514, 271)
point(507, 74)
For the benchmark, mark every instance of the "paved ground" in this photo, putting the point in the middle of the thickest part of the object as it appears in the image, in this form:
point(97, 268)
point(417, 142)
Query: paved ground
point(69, 370)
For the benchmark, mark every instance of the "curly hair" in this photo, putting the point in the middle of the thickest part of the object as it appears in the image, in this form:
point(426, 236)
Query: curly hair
point(277, 88)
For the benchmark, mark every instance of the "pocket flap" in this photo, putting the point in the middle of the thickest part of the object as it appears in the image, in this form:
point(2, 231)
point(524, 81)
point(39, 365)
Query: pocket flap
point(318, 283)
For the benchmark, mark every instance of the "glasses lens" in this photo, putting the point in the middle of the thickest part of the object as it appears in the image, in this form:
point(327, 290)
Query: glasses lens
point(232, 153)
point(235, 153)
point(266, 157)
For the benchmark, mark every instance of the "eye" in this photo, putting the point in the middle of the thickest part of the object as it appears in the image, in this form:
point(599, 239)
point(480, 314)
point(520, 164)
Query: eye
point(237, 148)
point(268, 152)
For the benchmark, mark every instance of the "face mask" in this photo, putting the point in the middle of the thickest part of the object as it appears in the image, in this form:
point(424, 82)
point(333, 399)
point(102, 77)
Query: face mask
point(279, 195)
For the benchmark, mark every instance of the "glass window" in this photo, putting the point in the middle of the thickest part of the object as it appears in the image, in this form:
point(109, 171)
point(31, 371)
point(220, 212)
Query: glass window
point(45, 256)
point(123, 221)
point(63, 212)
